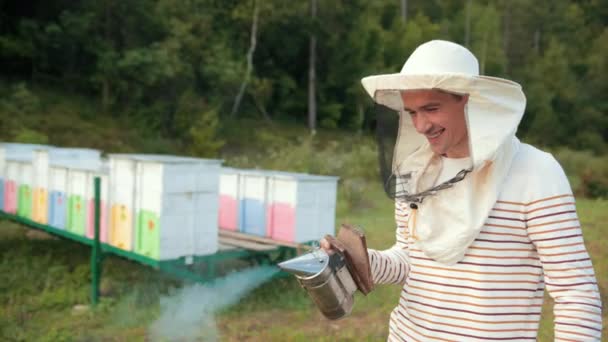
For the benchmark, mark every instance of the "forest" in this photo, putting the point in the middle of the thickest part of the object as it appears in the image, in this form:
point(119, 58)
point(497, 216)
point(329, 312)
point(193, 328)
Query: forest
point(178, 69)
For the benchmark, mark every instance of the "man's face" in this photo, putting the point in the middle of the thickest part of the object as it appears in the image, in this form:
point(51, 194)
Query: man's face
point(439, 116)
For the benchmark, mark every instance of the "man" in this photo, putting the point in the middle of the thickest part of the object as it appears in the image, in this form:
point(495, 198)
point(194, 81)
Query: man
point(484, 223)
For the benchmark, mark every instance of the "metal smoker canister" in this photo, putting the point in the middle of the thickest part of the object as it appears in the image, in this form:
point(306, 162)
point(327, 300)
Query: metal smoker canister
point(326, 279)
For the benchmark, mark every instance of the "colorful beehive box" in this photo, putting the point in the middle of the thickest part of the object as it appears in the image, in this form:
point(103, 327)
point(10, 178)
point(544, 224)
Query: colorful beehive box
point(2, 175)
point(301, 207)
point(175, 203)
point(228, 215)
point(252, 203)
point(77, 207)
point(10, 186)
point(40, 186)
point(290, 207)
point(69, 186)
point(18, 177)
point(121, 202)
point(24, 188)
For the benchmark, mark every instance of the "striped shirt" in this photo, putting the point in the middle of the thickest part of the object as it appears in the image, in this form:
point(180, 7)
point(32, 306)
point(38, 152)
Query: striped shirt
point(531, 241)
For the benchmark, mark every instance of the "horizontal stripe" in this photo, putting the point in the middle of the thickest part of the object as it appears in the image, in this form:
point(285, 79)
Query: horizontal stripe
point(566, 261)
point(581, 310)
point(552, 214)
point(499, 281)
point(578, 318)
point(502, 249)
point(525, 212)
point(478, 264)
point(501, 257)
point(460, 318)
point(552, 222)
point(474, 296)
point(558, 238)
point(568, 269)
point(559, 246)
point(578, 325)
point(554, 230)
point(504, 234)
point(565, 253)
point(578, 303)
point(504, 241)
point(536, 201)
point(503, 226)
point(469, 327)
point(443, 308)
point(477, 272)
point(443, 300)
point(471, 287)
point(574, 333)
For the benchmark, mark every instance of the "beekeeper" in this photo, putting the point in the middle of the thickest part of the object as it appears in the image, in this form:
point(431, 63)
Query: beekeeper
point(485, 223)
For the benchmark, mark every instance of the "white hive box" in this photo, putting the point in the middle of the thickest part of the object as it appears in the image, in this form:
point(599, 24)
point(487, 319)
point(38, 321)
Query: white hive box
point(169, 204)
point(301, 207)
point(290, 207)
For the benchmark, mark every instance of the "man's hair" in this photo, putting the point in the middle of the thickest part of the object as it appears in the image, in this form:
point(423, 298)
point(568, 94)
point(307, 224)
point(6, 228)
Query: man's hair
point(456, 96)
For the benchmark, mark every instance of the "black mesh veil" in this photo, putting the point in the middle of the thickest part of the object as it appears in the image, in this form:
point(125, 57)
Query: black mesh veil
point(396, 185)
point(387, 128)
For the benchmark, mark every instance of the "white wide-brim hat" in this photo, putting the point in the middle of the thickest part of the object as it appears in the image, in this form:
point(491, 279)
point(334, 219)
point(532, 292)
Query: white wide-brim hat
point(495, 105)
point(449, 221)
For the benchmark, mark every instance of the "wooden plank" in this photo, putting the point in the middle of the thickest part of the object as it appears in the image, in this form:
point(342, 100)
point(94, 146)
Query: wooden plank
point(241, 236)
point(247, 244)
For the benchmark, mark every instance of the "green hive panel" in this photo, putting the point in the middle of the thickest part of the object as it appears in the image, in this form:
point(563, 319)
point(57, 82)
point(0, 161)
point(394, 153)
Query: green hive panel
point(148, 234)
point(24, 205)
point(76, 215)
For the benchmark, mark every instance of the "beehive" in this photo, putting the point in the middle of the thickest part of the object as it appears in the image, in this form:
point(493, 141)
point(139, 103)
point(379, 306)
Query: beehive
point(19, 177)
point(70, 187)
point(301, 207)
point(284, 206)
point(170, 204)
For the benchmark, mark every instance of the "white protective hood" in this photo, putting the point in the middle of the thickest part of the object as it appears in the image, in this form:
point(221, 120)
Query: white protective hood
point(448, 222)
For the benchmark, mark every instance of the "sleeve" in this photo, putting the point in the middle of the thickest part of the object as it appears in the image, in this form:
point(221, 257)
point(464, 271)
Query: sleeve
point(554, 228)
point(391, 266)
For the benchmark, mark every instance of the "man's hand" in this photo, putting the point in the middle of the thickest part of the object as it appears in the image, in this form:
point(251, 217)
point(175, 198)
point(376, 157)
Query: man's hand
point(326, 247)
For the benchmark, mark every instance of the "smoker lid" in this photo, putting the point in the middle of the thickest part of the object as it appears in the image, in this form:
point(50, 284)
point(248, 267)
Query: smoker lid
point(307, 264)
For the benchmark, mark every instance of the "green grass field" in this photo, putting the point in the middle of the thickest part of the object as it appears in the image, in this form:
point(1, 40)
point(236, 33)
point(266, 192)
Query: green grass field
point(44, 282)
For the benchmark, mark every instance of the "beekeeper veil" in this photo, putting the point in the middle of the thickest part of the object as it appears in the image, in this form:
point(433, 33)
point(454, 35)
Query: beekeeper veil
point(449, 215)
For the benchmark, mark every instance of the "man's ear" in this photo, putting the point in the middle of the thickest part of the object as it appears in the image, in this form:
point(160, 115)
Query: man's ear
point(465, 99)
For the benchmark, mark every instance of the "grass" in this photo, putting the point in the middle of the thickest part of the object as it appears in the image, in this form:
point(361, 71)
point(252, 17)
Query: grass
point(43, 280)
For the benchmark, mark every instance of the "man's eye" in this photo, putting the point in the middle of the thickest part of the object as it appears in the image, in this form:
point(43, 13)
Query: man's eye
point(432, 109)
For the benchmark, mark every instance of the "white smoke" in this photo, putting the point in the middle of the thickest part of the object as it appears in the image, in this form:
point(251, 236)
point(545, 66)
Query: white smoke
point(189, 313)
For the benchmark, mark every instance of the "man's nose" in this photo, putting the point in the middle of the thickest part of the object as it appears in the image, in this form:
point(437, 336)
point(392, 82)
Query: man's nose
point(421, 123)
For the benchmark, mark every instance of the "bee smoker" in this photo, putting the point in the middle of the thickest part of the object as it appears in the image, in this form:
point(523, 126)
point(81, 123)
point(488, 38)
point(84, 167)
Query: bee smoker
point(331, 280)
point(326, 279)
